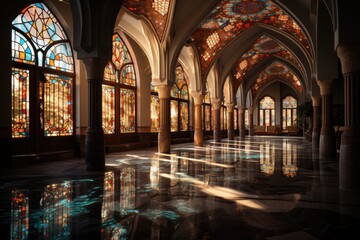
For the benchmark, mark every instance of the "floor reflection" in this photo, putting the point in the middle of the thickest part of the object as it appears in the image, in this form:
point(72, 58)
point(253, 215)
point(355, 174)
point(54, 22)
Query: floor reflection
point(251, 189)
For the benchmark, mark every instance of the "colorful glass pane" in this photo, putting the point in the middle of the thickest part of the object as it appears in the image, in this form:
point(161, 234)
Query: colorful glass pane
point(230, 18)
point(174, 116)
point(110, 73)
point(56, 204)
point(127, 110)
point(21, 49)
point(19, 214)
point(127, 75)
point(207, 117)
point(207, 97)
point(20, 103)
point(184, 116)
point(155, 113)
point(40, 25)
point(289, 102)
point(59, 57)
point(246, 118)
point(108, 109)
point(120, 53)
point(180, 77)
point(57, 105)
point(174, 91)
point(108, 203)
point(184, 93)
point(267, 103)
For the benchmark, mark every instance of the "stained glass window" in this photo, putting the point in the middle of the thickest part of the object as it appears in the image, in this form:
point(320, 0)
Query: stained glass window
point(179, 104)
point(58, 105)
point(174, 116)
point(20, 103)
point(155, 113)
point(19, 214)
point(267, 112)
point(38, 38)
point(236, 112)
point(119, 83)
point(127, 110)
point(59, 57)
point(207, 112)
point(108, 109)
point(289, 112)
point(246, 118)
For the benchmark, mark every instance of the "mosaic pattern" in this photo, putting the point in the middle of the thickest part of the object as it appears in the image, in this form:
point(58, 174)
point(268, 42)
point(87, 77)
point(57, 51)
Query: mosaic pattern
point(262, 49)
point(230, 18)
point(155, 113)
point(19, 214)
point(20, 111)
point(276, 70)
point(108, 109)
point(21, 49)
point(120, 53)
point(156, 11)
point(60, 57)
point(40, 25)
point(57, 105)
point(127, 110)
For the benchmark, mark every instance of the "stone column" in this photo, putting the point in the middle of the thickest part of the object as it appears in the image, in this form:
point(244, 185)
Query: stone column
point(216, 105)
point(327, 144)
point(251, 121)
point(198, 133)
point(94, 140)
point(230, 119)
point(350, 139)
point(164, 137)
point(316, 101)
point(242, 122)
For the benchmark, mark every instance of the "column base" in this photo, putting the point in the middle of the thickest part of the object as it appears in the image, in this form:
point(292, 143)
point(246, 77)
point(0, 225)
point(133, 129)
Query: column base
point(94, 150)
point(217, 135)
point(349, 167)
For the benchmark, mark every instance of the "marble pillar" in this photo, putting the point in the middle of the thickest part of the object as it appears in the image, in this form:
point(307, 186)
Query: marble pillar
point(242, 122)
point(216, 106)
point(350, 139)
point(94, 140)
point(251, 121)
point(316, 101)
point(198, 133)
point(164, 137)
point(230, 120)
point(327, 143)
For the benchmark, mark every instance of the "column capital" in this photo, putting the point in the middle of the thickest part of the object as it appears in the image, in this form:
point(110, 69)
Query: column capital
point(163, 91)
point(350, 57)
point(230, 107)
point(216, 103)
point(316, 101)
point(241, 109)
point(326, 86)
point(198, 97)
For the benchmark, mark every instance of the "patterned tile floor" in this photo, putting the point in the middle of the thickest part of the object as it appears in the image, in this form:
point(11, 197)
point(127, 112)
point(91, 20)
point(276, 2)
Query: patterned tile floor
point(258, 188)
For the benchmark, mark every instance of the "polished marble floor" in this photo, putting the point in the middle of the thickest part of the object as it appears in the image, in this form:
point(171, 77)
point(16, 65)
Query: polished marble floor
point(257, 188)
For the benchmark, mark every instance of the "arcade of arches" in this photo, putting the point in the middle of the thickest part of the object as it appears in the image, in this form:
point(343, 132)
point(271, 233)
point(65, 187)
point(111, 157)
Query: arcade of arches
point(90, 78)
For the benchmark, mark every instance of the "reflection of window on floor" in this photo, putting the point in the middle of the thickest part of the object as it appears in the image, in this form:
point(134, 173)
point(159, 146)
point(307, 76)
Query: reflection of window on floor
point(55, 203)
point(127, 190)
point(289, 159)
point(107, 211)
point(154, 174)
point(19, 214)
point(267, 159)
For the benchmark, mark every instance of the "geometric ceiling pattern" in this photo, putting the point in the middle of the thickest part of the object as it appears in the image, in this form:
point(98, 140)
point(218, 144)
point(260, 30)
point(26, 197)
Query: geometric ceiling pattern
point(230, 18)
point(263, 48)
point(156, 11)
point(276, 70)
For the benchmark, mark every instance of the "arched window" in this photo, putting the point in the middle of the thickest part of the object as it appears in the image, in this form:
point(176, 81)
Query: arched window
point(236, 124)
point(267, 112)
point(207, 126)
point(42, 78)
point(179, 102)
point(119, 91)
point(289, 114)
point(154, 109)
